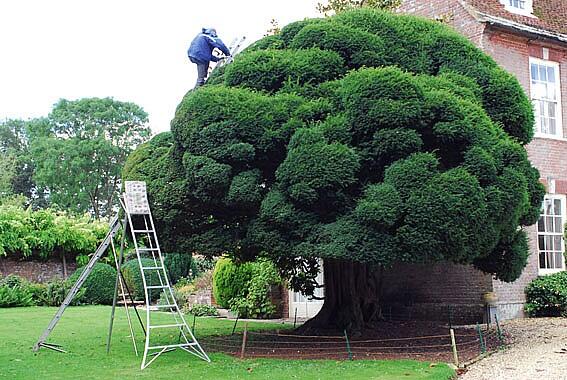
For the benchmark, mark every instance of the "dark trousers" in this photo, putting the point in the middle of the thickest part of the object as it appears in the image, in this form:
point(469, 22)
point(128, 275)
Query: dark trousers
point(202, 71)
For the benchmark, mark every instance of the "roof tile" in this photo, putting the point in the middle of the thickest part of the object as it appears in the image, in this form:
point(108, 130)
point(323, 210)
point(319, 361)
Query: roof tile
point(551, 15)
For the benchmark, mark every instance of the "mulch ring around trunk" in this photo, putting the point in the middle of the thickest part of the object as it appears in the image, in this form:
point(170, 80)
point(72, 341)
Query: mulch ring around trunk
point(427, 341)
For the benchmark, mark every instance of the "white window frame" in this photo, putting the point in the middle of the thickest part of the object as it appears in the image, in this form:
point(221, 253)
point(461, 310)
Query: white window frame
point(527, 10)
point(558, 112)
point(551, 233)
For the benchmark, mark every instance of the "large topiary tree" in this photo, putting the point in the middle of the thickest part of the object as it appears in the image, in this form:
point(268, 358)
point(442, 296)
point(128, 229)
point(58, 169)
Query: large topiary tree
point(363, 139)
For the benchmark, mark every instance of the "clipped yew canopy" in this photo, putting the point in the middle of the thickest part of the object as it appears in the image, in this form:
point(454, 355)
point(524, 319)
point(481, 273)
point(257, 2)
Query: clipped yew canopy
point(366, 137)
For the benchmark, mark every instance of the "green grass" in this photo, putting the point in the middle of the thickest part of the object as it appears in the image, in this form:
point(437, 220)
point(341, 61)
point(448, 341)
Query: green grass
point(83, 331)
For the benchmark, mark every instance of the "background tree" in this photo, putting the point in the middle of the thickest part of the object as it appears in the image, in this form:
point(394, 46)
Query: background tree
point(16, 166)
point(335, 6)
point(363, 139)
point(80, 152)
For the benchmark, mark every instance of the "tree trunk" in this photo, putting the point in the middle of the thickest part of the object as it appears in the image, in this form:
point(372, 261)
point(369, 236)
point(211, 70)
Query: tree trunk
point(351, 298)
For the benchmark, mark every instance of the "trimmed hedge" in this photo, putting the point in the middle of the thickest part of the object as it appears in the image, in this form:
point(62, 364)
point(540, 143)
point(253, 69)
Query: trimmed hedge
point(99, 285)
point(547, 296)
point(133, 277)
point(229, 280)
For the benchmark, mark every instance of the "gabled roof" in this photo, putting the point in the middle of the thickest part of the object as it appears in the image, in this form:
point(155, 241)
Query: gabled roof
point(550, 16)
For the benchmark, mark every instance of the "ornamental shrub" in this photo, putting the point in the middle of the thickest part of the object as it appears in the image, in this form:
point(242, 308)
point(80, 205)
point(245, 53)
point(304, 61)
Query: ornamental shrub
point(201, 310)
point(43, 233)
point(547, 296)
point(14, 292)
point(230, 280)
point(255, 301)
point(133, 277)
point(99, 285)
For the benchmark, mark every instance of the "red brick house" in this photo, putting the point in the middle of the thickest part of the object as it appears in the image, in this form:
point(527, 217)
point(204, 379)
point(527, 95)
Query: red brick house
point(529, 39)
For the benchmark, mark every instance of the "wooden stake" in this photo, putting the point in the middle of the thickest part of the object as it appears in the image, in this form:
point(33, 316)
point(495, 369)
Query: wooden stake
point(244, 336)
point(454, 345)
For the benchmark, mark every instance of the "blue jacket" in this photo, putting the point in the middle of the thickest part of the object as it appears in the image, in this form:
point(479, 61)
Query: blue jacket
point(201, 49)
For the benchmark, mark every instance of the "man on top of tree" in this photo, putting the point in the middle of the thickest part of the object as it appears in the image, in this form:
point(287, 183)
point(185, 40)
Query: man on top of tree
point(201, 52)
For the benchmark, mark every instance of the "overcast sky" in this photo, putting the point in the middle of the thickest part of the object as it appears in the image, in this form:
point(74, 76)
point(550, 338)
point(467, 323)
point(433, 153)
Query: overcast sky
point(131, 50)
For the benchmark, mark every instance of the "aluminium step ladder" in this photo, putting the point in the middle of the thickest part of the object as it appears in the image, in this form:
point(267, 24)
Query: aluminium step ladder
point(114, 227)
point(155, 280)
point(234, 49)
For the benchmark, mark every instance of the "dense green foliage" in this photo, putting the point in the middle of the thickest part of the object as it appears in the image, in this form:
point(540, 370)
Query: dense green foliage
point(336, 6)
point(14, 291)
point(546, 296)
point(133, 278)
point(99, 285)
point(17, 291)
point(410, 149)
point(79, 151)
point(203, 310)
point(245, 288)
point(45, 233)
point(229, 280)
point(254, 300)
point(178, 265)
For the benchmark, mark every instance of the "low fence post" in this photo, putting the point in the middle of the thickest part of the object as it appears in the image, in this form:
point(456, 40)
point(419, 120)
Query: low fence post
point(235, 322)
point(244, 336)
point(348, 346)
point(499, 331)
point(482, 346)
point(295, 318)
point(454, 345)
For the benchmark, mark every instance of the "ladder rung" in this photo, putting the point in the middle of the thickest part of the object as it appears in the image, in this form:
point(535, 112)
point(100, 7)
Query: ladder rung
point(151, 268)
point(167, 326)
point(172, 346)
point(142, 231)
point(148, 249)
point(157, 287)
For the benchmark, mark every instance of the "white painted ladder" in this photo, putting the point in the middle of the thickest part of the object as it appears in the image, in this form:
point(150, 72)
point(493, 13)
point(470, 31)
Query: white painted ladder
point(155, 280)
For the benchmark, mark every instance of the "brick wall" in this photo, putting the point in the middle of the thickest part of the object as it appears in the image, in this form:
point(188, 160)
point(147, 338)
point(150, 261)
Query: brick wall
point(451, 12)
point(36, 271)
point(429, 291)
point(548, 155)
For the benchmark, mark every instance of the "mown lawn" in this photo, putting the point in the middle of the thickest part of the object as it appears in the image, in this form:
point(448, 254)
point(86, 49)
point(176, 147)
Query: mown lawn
point(83, 331)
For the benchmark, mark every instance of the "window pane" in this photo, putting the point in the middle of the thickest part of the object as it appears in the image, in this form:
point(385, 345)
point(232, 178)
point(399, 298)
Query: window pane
point(549, 260)
point(542, 260)
point(533, 69)
point(557, 243)
point(548, 242)
point(552, 126)
point(551, 109)
point(549, 224)
point(557, 207)
point(541, 243)
point(542, 73)
point(541, 224)
point(558, 260)
point(551, 74)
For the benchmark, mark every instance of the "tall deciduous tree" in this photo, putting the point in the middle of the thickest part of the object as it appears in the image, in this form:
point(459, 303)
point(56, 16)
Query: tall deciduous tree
point(16, 167)
point(363, 139)
point(80, 154)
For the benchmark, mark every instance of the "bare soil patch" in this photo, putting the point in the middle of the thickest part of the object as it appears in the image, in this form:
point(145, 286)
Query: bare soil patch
point(416, 340)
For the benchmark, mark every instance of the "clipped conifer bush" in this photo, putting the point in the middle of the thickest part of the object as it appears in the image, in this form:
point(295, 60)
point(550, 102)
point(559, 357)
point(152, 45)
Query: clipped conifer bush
point(362, 139)
point(99, 285)
point(133, 278)
point(229, 280)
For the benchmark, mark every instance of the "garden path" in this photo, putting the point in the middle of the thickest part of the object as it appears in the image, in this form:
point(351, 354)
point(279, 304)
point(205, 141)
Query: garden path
point(538, 350)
